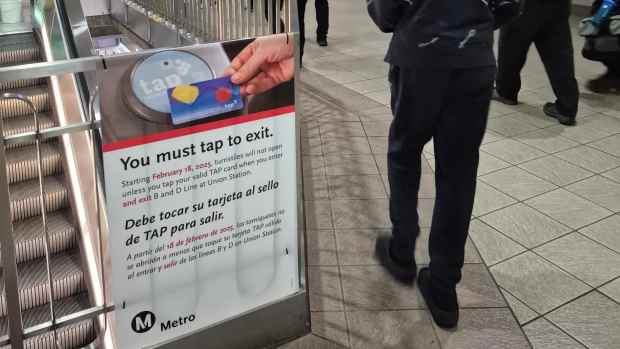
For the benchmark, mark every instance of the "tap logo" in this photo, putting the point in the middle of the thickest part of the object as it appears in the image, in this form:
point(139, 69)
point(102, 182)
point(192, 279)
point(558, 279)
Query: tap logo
point(143, 321)
point(152, 76)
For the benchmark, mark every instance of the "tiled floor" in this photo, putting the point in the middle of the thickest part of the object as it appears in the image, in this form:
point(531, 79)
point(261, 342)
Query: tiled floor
point(546, 221)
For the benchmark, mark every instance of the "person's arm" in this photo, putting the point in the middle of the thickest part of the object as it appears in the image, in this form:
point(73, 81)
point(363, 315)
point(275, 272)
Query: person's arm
point(387, 13)
point(265, 63)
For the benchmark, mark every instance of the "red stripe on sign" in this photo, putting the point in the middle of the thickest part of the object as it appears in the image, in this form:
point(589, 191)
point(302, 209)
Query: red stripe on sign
point(156, 137)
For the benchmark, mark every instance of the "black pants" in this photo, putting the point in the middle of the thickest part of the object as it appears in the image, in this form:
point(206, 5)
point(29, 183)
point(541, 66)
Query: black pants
point(450, 106)
point(322, 20)
point(266, 9)
point(546, 24)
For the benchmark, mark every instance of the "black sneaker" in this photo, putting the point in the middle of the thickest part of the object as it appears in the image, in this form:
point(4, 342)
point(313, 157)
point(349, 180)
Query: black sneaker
point(552, 110)
point(403, 273)
point(322, 41)
point(496, 97)
point(444, 318)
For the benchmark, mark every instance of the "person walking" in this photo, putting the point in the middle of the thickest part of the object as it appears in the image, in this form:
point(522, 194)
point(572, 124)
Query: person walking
point(442, 69)
point(546, 24)
point(322, 20)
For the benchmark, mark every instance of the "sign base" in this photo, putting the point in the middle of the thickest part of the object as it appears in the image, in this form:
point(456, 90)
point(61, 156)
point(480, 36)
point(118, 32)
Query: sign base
point(267, 327)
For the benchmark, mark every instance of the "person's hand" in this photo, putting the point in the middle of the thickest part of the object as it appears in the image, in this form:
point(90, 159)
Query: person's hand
point(263, 64)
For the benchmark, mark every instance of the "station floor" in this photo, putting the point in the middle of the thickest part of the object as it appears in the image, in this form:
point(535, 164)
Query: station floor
point(543, 260)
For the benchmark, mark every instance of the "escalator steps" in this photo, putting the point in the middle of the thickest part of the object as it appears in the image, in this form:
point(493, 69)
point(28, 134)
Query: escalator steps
point(22, 163)
point(6, 85)
point(72, 336)
point(19, 54)
point(39, 96)
point(23, 124)
point(25, 205)
point(25, 201)
point(29, 237)
point(67, 276)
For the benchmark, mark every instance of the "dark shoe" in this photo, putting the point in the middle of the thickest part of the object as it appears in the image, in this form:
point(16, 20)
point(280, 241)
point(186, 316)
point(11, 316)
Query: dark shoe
point(322, 41)
point(444, 316)
point(604, 84)
point(403, 273)
point(504, 100)
point(551, 109)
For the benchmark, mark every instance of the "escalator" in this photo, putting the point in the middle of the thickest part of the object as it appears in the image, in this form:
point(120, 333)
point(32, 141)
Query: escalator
point(67, 272)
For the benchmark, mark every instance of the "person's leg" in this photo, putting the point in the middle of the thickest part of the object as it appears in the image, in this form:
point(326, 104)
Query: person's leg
point(416, 103)
point(457, 141)
point(555, 46)
point(515, 40)
point(322, 18)
point(301, 10)
point(273, 9)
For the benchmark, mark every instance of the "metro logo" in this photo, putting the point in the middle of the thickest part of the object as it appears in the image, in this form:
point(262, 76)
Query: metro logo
point(165, 326)
point(143, 322)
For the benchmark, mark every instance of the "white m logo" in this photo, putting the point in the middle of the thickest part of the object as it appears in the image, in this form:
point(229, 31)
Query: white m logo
point(143, 322)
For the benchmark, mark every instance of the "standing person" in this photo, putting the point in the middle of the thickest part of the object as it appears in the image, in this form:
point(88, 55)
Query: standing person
point(322, 20)
point(442, 69)
point(546, 24)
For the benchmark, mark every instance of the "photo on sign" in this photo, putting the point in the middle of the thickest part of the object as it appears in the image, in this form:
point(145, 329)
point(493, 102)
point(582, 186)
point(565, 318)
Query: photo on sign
point(157, 92)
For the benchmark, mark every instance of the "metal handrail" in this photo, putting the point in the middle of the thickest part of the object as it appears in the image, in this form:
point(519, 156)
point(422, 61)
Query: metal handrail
point(9, 266)
point(46, 69)
point(47, 239)
point(44, 327)
point(212, 20)
point(50, 133)
point(94, 125)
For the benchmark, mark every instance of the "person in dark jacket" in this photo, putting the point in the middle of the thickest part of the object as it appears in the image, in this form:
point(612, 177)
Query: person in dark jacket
point(546, 24)
point(442, 69)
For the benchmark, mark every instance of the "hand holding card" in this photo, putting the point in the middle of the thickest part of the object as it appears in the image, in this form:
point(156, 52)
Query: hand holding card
point(263, 64)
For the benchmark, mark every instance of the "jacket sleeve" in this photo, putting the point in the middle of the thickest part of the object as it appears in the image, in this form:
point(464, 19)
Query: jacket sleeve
point(386, 13)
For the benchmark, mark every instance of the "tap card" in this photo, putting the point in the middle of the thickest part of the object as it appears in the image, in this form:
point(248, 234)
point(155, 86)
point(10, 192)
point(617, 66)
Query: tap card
point(203, 99)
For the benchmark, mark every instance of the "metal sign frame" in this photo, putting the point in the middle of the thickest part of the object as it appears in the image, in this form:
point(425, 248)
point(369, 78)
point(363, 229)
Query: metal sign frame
point(266, 326)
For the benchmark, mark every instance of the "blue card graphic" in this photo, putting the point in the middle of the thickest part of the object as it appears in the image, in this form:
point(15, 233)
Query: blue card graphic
point(203, 99)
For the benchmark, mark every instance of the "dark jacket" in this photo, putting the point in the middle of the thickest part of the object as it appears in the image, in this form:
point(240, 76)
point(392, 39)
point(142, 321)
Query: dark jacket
point(436, 33)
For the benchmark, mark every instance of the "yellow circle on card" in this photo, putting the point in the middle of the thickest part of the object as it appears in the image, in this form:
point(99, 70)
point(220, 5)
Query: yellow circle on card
point(186, 94)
